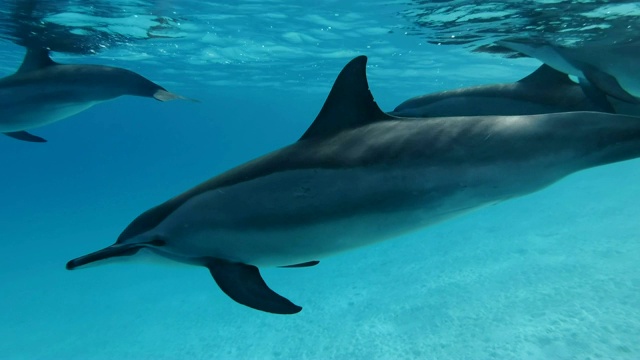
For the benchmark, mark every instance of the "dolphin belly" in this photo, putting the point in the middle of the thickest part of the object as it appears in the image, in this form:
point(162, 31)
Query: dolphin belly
point(299, 216)
point(28, 107)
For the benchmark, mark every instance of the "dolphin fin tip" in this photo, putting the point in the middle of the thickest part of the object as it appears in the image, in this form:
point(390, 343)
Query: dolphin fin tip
point(25, 136)
point(304, 264)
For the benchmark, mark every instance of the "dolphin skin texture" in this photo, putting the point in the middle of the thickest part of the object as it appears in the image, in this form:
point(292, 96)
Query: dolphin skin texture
point(42, 92)
point(612, 68)
point(544, 91)
point(359, 176)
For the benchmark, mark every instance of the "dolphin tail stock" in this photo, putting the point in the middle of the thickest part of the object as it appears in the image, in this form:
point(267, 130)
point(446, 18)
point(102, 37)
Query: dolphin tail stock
point(25, 136)
point(164, 95)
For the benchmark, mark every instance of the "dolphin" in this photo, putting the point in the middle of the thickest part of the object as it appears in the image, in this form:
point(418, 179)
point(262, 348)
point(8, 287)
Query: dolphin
point(613, 68)
point(358, 176)
point(42, 92)
point(546, 90)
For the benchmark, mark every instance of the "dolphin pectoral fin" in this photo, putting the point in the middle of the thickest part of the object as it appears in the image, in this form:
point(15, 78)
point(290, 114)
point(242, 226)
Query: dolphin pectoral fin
point(609, 84)
point(164, 95)
point(304, 264)
point(244, 284)
point(106, 253)
point(25, 136)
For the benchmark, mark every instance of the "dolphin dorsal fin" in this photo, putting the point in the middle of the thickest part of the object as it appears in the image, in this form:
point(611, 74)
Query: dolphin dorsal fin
point(349, 104)
point(545, 75)
point(35, 59)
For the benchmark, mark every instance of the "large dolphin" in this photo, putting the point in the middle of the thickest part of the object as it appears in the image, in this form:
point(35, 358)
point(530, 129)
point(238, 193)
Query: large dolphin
point(43, 91)
point(613, 68)
point(359, 176)
point(544, 91)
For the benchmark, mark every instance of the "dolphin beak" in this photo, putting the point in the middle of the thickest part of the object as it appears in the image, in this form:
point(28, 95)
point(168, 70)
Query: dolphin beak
point(163, 95)
point(106, 253)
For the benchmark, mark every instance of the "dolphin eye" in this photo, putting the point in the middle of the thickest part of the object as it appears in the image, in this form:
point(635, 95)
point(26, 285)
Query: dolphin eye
point(157, 242)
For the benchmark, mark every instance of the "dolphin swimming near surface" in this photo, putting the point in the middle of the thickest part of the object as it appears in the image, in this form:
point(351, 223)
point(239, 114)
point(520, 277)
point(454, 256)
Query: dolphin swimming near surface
point(546, 90)
point(359, 176)
point(613, 68)
point(42, 92)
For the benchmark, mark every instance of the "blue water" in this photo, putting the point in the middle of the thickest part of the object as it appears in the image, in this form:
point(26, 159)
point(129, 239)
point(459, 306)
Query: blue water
point(552, 275)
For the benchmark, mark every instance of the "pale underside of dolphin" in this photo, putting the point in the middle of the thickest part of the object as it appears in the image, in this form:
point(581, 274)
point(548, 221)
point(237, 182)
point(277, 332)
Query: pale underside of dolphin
point(359, 176)
point(42, 92)
point(614, 69)
point(544, 91)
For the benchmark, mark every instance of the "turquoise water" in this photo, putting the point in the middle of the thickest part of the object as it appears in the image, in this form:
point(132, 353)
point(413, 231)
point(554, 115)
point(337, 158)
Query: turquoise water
point(552, 275)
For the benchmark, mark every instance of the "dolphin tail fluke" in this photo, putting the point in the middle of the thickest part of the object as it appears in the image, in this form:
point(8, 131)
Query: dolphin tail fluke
point(243, 283)
point(25, 136)
point(106, 253)
point(164, 95)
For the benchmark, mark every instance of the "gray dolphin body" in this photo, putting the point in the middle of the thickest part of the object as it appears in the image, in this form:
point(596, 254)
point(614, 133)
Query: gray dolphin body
point(43, 91)
point(544, 91)
point(614, 69)
point(359, 176)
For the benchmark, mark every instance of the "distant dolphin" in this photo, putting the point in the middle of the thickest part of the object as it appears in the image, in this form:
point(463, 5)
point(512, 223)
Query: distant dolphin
point(359, 176)
point(614, 69)
point(544, 91)
point(43, 91)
